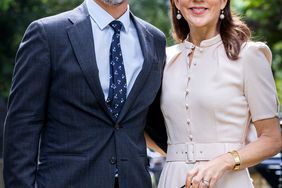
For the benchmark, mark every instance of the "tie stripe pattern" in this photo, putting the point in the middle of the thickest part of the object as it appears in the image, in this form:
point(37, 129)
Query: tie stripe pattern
point(118, 86)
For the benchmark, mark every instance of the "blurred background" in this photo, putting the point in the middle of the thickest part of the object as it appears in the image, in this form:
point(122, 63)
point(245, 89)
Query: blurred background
point(264, 18)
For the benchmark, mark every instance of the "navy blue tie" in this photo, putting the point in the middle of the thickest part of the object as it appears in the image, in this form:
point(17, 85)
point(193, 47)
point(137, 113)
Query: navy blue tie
point(118, 87)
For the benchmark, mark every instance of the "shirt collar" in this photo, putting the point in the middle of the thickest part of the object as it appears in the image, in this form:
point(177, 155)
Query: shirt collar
point(96, 13)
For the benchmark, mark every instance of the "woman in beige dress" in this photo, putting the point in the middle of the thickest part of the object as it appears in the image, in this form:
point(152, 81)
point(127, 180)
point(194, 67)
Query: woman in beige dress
point(216, 83)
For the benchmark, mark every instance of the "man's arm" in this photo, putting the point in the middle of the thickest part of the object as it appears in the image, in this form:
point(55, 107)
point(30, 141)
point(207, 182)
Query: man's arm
point(155, 127)
point(26, 114)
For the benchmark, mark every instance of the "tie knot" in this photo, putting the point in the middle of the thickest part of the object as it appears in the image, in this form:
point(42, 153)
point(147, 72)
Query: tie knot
point(116, 25)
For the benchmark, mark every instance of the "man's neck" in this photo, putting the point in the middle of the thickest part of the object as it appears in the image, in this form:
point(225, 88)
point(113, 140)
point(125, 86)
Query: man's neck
point(115, 11)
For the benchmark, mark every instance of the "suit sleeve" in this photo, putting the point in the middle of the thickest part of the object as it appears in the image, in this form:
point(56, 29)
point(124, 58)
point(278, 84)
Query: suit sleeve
point(155, 126)
point(26, 108)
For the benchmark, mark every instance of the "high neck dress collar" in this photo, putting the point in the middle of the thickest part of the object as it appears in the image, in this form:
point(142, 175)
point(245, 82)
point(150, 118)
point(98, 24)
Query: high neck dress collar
point(205, 43)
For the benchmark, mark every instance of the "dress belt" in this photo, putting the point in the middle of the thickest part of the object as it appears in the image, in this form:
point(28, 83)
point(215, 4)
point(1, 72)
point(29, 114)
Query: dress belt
point(192, 152)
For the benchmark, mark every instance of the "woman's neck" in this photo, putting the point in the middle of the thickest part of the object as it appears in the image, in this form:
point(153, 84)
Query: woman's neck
point(196, 36)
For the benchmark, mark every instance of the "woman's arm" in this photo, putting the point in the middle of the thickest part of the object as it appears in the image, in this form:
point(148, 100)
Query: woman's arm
point(269, 143)
point(152, 145)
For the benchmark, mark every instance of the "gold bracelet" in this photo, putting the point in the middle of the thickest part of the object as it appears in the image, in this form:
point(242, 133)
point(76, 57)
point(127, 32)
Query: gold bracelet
point(236, 158)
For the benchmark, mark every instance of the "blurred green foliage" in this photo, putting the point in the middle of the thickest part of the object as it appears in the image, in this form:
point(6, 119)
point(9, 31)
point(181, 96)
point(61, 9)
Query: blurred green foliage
point(264, 17)
point(4, 4)
point(156, 12)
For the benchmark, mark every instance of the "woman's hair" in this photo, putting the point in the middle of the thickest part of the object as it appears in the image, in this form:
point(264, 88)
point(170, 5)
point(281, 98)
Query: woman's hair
point(233, 31)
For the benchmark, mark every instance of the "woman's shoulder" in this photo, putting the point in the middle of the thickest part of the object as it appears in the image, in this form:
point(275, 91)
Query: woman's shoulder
point(254, 50)
point(173, 51)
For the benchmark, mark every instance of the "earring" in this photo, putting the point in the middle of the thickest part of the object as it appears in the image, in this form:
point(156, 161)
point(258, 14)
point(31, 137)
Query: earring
point(222, 15)
point(178, 15)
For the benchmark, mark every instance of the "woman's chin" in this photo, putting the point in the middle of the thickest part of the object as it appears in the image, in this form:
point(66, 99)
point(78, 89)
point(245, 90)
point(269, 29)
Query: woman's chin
point(201, 23)
point(198, 25)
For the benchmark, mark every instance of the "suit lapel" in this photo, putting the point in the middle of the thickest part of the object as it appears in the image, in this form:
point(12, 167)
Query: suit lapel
point(81, 37)
point(146, 42)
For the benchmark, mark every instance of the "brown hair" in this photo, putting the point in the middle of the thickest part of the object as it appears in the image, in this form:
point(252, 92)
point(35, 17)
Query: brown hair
point(233, 31)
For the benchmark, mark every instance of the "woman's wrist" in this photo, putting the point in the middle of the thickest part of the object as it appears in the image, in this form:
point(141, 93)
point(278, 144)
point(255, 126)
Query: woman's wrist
point(228, 161)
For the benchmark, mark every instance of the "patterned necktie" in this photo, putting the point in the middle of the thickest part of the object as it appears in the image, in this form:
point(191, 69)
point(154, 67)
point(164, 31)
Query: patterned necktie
point(118, 87)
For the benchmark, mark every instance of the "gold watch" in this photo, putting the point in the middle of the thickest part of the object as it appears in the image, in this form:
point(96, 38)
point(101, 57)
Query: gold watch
point(236, 158)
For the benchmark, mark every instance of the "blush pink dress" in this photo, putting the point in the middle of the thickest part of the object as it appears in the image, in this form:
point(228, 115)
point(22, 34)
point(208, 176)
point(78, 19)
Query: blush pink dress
point(207, 106)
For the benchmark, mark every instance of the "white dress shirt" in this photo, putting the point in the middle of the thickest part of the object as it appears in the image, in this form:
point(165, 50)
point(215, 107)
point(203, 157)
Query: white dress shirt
point(130, 46)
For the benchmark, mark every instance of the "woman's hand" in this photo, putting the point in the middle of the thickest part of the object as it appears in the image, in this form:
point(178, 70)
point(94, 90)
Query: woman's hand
point(206, 174)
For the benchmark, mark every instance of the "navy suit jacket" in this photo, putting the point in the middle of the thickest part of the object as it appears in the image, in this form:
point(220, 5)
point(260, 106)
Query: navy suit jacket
point(58, 131)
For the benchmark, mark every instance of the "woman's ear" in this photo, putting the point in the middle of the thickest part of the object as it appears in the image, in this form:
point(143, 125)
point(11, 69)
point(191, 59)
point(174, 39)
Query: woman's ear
point(177, 3)
point(223, 4)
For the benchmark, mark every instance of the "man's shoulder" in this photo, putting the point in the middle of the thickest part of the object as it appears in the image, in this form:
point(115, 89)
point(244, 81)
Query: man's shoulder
point(151, 28)
point(60, 19)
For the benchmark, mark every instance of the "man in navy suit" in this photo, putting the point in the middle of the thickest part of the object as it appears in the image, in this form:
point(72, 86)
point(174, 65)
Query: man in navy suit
point(67, 125)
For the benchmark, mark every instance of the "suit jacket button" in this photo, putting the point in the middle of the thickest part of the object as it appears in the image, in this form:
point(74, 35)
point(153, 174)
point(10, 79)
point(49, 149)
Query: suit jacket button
point(113, 160)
